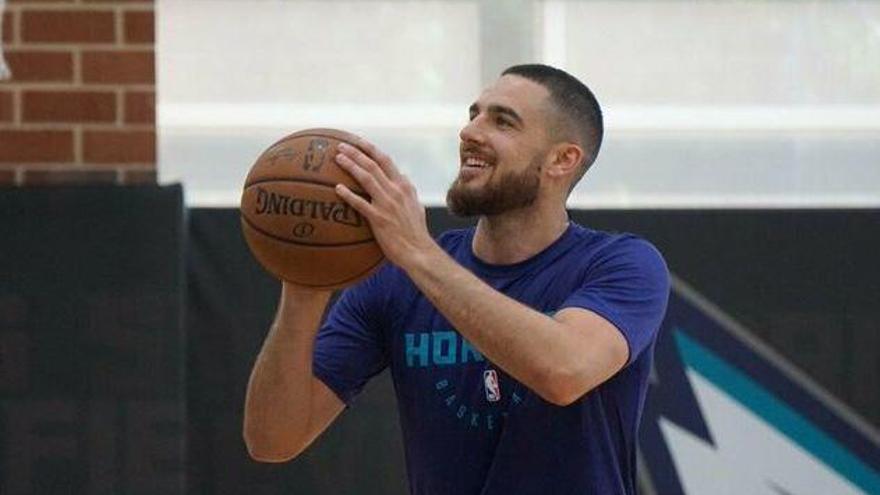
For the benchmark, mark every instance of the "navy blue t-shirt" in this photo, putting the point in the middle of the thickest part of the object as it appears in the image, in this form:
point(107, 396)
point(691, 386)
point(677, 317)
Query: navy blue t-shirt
point(468, 427)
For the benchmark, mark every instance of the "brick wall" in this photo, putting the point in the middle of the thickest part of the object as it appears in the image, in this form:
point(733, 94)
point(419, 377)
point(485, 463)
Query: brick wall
point(80, 106)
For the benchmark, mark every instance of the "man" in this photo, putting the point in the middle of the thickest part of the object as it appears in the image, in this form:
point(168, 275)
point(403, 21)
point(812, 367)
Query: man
point(520, 349)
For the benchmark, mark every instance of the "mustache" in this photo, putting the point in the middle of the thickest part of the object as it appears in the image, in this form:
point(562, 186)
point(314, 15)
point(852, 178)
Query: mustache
point(475, 149)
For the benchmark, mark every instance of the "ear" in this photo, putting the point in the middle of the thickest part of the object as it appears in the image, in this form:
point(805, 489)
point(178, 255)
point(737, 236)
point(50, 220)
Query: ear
point(564, 160)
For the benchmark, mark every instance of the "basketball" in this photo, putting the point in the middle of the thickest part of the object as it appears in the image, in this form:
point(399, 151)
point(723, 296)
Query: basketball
point(295, 224)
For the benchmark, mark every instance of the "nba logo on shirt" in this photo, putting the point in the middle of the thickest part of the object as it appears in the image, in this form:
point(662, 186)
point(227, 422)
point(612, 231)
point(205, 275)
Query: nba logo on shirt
point(490, 381)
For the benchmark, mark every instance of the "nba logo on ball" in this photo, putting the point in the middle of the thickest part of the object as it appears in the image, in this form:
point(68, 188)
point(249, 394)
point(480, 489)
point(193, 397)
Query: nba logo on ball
point(490, 381)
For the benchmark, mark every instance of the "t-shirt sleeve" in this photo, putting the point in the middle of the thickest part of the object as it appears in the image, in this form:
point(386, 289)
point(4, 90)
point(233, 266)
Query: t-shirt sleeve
point(628, 286)
point(349, 347)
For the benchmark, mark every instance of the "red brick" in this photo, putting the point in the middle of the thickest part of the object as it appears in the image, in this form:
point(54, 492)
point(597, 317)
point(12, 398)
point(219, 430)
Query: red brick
point(17, 146)
point(140, 107)
point(138, 176)
point(125, 67)
point(68, 176)
point(40, 1)
point(33, 66)
point(7, 112)
point(139, 26)
point(119, 147)
point(68, 106)
point(7, 176)
point(8, 26)
point(67, 26)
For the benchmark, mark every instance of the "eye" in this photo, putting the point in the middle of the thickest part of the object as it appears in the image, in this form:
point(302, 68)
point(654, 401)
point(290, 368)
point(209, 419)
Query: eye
point(502, 121)
point(473, 112)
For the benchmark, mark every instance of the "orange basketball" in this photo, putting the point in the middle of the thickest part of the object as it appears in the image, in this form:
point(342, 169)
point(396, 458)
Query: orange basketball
point(296, 225)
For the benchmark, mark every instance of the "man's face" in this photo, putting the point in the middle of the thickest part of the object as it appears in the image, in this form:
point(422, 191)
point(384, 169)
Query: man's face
point(502, 149)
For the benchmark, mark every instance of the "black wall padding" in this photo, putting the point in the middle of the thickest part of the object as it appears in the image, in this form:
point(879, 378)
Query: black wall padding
point(91, 348)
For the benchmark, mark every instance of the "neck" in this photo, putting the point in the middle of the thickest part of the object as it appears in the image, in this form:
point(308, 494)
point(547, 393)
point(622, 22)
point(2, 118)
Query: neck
point(518, 235)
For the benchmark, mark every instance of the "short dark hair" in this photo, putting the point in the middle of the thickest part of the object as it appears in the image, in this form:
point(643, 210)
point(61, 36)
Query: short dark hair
point(575, 103)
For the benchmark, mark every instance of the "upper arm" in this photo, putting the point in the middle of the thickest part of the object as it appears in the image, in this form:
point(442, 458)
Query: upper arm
point(600, 347)
point(326, 407)
point(614, 315)
point(350, 347)
point(629, 289)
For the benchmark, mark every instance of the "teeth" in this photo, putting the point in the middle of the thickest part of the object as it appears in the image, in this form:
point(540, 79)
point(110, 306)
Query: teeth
point(475, 162)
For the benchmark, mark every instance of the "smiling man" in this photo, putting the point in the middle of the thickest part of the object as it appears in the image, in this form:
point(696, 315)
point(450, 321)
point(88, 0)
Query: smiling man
point(520, 349)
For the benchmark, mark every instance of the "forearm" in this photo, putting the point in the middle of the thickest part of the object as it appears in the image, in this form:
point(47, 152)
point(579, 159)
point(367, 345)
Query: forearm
point(529, 345)
point(278, 405)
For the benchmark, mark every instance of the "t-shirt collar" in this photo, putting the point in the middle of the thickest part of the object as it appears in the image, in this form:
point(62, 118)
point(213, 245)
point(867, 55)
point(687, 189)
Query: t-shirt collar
point(550, 252)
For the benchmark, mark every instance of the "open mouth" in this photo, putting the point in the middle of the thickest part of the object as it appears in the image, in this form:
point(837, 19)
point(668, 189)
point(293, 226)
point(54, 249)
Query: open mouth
point(475, 160)
point(475, 163)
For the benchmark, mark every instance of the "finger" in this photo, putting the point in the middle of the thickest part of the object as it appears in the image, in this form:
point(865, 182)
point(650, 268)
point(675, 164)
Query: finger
point(356, 201)
point(377, 187)
point(384, 161)
point(364, 161)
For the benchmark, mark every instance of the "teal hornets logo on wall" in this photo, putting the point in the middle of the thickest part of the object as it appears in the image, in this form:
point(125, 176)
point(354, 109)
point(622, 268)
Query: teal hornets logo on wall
point(725, 415)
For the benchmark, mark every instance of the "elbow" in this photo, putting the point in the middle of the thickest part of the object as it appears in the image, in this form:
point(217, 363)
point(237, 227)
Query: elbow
point(263, 449)
point(561, 396)
point(565, 381)
point(563, 387)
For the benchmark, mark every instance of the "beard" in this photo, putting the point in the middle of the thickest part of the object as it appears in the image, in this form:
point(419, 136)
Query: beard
point(511, 191)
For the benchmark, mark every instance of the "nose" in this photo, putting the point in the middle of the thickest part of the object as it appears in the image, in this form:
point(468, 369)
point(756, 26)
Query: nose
point(471, 132)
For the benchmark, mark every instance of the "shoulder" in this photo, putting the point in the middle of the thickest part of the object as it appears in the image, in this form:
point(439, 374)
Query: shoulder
point(453, 239)
point(615, 243)
point(622, 251)
point(386, 278)
point(390, 277)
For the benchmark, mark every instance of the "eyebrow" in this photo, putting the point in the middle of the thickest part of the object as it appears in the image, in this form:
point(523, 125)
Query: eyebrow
point(495, 108)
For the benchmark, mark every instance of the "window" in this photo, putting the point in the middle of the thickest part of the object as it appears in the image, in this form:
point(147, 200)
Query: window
point(708, 104)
